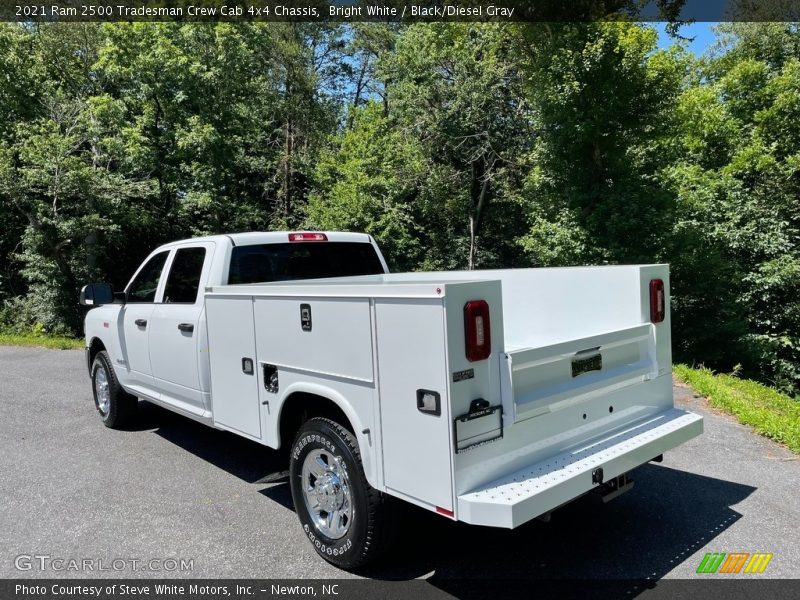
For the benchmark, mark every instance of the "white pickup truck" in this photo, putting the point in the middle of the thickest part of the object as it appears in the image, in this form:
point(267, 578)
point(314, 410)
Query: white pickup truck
point(489, 397)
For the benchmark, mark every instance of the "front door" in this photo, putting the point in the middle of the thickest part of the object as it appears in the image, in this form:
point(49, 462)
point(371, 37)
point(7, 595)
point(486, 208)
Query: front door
point(175, 338)
point(136, 316)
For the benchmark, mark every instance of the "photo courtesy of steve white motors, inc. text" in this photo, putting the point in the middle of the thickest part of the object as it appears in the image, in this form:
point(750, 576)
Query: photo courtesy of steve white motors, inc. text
point(172, 589)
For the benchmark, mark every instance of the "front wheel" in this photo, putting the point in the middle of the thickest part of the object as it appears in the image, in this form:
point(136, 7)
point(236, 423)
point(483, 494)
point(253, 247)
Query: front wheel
point(116, 406)
point(346, 520)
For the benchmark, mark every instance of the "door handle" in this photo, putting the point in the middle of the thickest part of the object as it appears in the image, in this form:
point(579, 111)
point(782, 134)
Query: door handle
point(141, 322)
point(186, 327)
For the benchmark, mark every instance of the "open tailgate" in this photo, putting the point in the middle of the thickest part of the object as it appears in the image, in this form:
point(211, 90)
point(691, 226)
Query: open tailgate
point(540, 487)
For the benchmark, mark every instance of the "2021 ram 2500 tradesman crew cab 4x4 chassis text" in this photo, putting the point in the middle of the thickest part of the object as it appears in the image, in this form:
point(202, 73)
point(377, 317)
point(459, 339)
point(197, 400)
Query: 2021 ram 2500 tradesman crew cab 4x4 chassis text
point(489, 397)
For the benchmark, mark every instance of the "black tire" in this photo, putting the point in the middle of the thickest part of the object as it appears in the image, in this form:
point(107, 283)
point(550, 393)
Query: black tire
point(370, 529)
point(121, 407)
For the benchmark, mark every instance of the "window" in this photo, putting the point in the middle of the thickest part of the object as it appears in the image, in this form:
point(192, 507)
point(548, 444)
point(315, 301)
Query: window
point(263, 263)
point(143, 287)
point(183, 281)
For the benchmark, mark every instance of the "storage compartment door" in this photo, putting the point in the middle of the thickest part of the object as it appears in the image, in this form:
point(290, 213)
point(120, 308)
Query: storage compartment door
point(234, 384)
point(411, 363)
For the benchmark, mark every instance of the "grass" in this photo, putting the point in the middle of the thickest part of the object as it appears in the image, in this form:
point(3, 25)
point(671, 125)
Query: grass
point(770, 413)
point(44, 341)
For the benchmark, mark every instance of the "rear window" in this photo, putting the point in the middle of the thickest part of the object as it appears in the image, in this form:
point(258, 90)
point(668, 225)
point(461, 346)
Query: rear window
point(263, 263)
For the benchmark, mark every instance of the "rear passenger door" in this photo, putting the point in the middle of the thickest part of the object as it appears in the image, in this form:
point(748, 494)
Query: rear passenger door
point(177, 335)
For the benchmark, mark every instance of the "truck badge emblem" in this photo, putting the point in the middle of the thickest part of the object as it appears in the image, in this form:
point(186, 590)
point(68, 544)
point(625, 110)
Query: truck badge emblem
point(305, 317)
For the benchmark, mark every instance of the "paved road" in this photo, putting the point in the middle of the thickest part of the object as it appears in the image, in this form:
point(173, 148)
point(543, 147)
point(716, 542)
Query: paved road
point(71, 488)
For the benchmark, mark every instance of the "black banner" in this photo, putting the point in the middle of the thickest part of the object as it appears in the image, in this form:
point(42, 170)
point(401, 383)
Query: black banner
point(433, 588)
point(399, 10)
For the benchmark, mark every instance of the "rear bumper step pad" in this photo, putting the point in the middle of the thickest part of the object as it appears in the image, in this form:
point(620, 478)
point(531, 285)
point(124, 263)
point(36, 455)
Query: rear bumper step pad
point(536, 489)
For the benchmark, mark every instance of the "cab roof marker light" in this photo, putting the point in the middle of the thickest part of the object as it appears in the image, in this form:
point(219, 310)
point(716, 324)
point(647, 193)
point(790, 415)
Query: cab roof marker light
point(307, 236)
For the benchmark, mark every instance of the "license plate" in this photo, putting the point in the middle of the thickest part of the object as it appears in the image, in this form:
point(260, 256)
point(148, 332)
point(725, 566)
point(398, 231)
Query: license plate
point(587, 364)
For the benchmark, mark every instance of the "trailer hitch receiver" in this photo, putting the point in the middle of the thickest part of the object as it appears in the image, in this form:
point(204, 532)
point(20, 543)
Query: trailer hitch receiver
point(597, 476)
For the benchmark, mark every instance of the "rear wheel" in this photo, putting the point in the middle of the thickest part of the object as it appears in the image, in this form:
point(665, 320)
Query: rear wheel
point(115, 405)
point(346, 520)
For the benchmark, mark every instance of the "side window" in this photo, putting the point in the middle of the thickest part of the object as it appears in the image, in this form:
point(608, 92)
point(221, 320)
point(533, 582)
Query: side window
point(183, 281)
point(143, 287)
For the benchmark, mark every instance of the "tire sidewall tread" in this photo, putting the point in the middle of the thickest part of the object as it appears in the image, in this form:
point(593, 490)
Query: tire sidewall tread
point(365, 538)
point(122, 405)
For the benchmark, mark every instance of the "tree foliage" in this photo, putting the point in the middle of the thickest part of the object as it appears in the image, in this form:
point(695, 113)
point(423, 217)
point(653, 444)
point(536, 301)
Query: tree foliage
point(737, 224)
point(602, 95)
point(439, 155)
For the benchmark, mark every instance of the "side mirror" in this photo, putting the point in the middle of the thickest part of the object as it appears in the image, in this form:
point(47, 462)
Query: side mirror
point(96, 294)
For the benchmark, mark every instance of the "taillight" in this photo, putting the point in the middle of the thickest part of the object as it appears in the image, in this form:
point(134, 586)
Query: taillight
point(477, 333)
point(657, 302)
point(308, 237)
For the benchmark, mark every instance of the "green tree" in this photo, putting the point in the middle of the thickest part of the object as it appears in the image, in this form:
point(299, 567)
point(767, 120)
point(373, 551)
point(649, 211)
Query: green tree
point(50, 172)
point(369, 181)
point(452, 124)
point(737, 189)
point(602, 97)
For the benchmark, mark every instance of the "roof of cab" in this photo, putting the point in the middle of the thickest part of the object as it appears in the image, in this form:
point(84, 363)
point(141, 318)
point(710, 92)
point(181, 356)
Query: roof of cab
point(271, 237)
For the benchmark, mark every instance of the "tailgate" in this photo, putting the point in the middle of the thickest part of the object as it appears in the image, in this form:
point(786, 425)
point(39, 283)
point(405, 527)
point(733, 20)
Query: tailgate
point(535, 380)
point(526, 493)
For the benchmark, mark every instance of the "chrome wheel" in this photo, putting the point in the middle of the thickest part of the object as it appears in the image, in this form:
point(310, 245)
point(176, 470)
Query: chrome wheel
point(326, 493)
point(101, 390)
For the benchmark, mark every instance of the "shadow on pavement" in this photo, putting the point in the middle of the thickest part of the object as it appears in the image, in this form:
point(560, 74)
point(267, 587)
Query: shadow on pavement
point(241, 457)
point(642, 535)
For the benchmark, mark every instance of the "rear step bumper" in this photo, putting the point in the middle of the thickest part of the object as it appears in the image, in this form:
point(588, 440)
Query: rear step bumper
point(538, 488)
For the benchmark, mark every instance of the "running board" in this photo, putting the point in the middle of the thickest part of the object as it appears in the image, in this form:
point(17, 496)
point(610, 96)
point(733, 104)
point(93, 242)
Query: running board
point(538, 488)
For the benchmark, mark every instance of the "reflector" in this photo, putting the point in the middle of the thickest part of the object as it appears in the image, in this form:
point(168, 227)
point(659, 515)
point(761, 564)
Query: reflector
point(445, 512)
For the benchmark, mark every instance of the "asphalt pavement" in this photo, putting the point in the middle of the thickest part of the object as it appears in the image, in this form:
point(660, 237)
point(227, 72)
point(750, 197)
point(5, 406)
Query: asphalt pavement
point(170, 489)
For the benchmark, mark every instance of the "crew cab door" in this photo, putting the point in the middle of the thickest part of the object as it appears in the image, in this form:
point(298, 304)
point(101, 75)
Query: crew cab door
point(136, 316)
point(178, 331)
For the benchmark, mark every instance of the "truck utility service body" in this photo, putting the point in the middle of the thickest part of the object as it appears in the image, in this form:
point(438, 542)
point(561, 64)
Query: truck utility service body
point(490, 397)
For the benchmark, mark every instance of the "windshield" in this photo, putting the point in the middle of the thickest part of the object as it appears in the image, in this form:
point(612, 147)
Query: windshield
point(262, 263)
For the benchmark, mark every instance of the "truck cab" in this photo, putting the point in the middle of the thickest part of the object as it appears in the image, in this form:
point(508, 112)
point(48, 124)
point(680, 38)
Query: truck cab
point(155, 331)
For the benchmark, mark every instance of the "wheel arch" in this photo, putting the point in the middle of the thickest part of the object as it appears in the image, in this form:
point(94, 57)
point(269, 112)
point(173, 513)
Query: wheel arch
point(302, 402)
point(95, 345)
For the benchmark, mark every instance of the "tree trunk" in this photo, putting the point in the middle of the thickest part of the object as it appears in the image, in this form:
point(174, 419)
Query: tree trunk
point(473, 247)
point(479, 200)
point(286, 187)
point(164, 193)
point(361, 83)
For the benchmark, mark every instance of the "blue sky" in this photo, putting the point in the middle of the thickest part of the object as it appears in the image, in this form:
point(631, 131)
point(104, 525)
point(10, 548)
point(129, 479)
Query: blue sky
point(701, 32)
